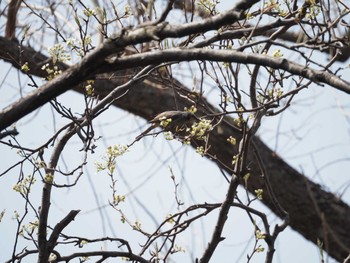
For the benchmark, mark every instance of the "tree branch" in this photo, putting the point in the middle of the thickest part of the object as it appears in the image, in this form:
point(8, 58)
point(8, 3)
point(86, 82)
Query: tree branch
point(183, 54)
point(59, 228)
point(45, 246)
point(94, 63)
point(104, 255)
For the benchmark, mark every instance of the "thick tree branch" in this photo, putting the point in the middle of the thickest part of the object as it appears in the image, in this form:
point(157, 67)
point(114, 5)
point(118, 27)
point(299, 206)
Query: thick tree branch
point(179, 54)
point(104, 255)
point(46, 246)
point(94, 63)
point(52, 242)
point(10, 31)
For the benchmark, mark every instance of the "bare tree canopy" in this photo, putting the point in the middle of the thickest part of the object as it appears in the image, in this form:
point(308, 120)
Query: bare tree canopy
point(247, 63)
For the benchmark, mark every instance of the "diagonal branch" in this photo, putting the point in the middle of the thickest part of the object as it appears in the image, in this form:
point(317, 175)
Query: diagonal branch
point(182, 54)
point(59, 228)
point(95, 63)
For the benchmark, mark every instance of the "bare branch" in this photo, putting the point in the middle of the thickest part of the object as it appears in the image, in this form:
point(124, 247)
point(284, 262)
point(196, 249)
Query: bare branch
point(13, 7)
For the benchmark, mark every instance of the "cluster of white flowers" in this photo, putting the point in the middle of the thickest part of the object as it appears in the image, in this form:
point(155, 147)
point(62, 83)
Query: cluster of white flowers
point(58, 53)
point(51, 72)
point(232, 140)
point(164, 122)
point(89, 88)
point(24, 185)
point(259, 193)
point(201, 128)
point(277, 53)
point(110, 158)
point(275, 93)
point(89, 12)
point(200, 150)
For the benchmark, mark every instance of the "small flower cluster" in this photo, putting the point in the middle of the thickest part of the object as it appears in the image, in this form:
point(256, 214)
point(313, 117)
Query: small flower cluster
point(51, 72)
point(33, 225)
point(83, 243)
point(270, 94)
point(238, 121)
point(275, 93)
point(313, 10)
point(87, 40)
point(200, 129)
point(209, 6)
point(169, 136)
point(277, 53)
point(259, 193)
point(177, 248)
point(89, 87)
point(164, 122)
point(136, 225)
point(200, 150)
point(232, 140)
point(29, 229)
point(89, 12)
point(192, 109)
point(170, 219)
point(110, 158)
point(24, 185)
point(48, 178)
point(116, 150)
point(127, 10)
point(58, 54)
point(234, 159)
point(259, 235)
point(25, 67)
point(78, 45)
point(259, 249)
point(16, 215)
point(118, 199)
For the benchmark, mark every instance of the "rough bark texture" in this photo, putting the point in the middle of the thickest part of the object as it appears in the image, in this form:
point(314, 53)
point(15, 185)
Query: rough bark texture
point(314, 212)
